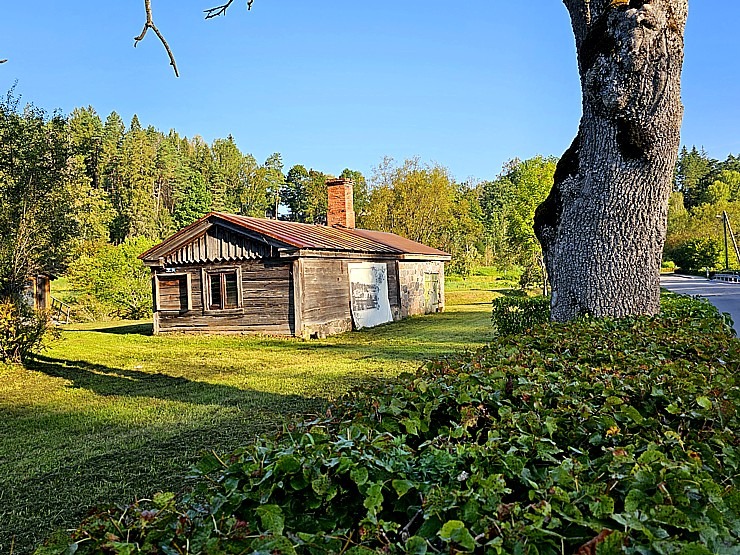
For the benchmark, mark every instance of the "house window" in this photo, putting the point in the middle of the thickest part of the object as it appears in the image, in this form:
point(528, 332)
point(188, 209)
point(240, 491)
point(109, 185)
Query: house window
point(173, 292)
point(223, 290)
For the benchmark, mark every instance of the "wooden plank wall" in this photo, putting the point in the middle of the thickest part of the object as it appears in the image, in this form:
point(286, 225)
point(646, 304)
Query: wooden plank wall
point(267, 302)
point(269, 292)
point(326, 290)
point(173, 293)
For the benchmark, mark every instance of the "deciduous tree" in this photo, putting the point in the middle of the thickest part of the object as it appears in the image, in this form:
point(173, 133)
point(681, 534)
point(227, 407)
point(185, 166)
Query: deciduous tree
point(603, 226)
point(36, 195)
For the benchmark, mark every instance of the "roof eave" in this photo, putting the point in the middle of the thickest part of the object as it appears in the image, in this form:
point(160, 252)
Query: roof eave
point(154, 257)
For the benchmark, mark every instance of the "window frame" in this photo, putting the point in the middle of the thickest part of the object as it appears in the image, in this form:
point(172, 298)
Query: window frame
point(188, 286)
point(206, 277)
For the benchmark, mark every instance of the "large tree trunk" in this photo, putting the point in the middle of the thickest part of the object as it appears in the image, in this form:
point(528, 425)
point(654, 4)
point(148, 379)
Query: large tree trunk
point(602, 227)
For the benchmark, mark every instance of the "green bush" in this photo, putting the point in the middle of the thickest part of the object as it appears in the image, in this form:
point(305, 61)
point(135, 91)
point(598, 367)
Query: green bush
point(22, 331)
point(532, 275)
point(111, 282)
point(621, 433)
point(516, 314)
point(697, 254)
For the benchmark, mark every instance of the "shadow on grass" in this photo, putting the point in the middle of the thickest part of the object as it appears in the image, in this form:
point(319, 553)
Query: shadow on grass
point(107, 381)
point(130, 329)
point(117, 473)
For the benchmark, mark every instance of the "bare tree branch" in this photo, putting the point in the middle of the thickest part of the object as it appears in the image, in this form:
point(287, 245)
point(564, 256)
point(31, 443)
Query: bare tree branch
point(150, 25)
point(221, 10)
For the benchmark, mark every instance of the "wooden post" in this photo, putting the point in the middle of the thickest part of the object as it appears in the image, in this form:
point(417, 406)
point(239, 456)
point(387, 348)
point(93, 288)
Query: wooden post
point(155, 296)
point(298, 297)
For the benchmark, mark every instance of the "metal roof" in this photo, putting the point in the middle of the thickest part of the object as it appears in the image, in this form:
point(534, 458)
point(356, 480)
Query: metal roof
point(401, 244)
point(302, 236)
point(309, 236)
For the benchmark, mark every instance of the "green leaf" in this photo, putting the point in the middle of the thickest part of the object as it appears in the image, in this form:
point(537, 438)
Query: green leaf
point(272, 519)
point(704, 402)
point(411, 426)
point(298, 482)
point(694, 549)
point(359, 475)
point(429, 529)
point(612, 544)
point(163, 499)
point(455, 531)
point(651, 455)
point(551, 424)
point(321, 484)
point(602, 507)
point(360, 550)
point(288, 464)
point(208, 463)
point(272, 545)
point(402, 486)
point(373, 498)
point(634, 501)
point(125, 548)
point(416, 545)
point(632, 413)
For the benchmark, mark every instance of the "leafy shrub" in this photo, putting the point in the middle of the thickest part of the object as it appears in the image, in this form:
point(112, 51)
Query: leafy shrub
point(667, 266)
point(697, 254)
point(112, 282)
point(609, 436)
point(22, 330)
point(532, 274)
point(515, 314)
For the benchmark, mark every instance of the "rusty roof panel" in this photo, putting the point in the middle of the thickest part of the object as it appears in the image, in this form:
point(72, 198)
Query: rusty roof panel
point(300, 236)
point(309, 236)
point(406, 246)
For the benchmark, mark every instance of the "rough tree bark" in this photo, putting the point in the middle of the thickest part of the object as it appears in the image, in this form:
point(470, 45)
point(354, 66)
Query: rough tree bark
point(603, 225)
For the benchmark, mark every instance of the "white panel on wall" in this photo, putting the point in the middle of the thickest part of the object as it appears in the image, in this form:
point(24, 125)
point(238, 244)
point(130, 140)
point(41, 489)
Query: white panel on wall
point(368, 284)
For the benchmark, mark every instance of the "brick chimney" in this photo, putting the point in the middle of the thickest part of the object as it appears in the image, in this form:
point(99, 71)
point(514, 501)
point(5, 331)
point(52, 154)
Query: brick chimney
point(341, 212)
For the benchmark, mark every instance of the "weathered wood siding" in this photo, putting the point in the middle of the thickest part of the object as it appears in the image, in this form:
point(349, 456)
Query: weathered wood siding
point(220, 244)
point(310, 296)
point(325, 303)
point(326, 295)
point(173, 293)
point(267, 302)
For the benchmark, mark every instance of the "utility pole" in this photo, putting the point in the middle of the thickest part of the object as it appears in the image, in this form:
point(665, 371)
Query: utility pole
point(727, 256)
point(724, 230)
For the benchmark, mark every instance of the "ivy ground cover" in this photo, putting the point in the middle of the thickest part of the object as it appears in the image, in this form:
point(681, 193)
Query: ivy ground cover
point(590, 437)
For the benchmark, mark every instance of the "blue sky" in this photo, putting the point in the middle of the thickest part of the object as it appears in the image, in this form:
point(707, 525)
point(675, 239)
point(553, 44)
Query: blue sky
point(332, 84)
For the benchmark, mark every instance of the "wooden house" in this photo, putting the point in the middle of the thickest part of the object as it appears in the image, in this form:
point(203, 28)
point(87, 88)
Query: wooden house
point(229, 273)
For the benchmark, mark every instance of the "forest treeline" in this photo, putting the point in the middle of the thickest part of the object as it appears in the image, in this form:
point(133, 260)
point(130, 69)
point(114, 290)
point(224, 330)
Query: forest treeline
point(82, 196)
point(140, 182)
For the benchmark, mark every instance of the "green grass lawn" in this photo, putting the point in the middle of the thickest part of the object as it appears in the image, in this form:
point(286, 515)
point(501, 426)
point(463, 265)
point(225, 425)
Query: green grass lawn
point(110, 413)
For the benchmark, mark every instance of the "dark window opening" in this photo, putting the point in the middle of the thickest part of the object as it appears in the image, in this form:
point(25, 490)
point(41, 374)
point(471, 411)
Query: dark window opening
point(232, 291)
point(173, 293)
point(224, 290)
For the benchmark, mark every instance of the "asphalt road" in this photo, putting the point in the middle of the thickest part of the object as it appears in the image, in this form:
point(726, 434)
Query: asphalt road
point(725, 296)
